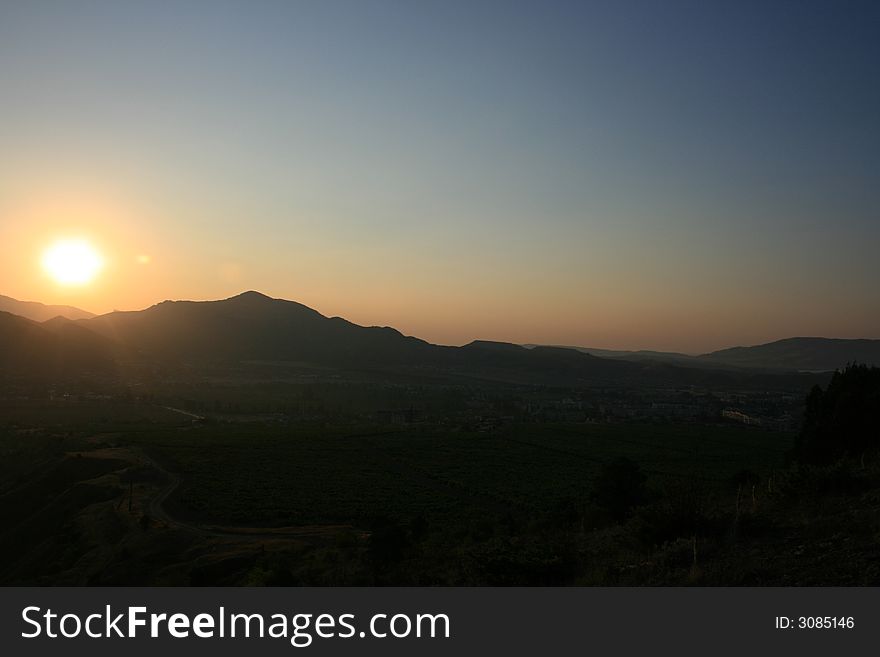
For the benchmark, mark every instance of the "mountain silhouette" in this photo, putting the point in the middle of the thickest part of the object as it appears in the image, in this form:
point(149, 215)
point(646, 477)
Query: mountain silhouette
point(253, 326)
point(58, 347)
point(641, 355)
point(790, 354)
point(40, 312)
point(254, 329)
point(806, 354)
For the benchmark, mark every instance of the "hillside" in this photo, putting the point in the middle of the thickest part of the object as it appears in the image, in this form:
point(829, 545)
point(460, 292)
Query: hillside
point(254, 327)
point(804, 354)
point(253, 330)
point(56, 348)
point(40, 312)
point(640, 355)
point(791, 354)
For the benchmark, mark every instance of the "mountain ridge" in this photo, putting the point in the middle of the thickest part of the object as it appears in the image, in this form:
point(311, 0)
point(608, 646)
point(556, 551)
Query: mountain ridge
point(808, 354)
point(801, 353)
point(41, 312)
point(253, 327)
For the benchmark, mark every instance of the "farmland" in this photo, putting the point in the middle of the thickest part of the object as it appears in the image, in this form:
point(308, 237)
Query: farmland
point(113, 491)
point(253, 474)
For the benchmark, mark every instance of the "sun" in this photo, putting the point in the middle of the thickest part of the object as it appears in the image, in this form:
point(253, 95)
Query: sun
point(72, 262)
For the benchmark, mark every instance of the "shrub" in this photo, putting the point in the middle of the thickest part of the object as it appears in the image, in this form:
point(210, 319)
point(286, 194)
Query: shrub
point(620, 487)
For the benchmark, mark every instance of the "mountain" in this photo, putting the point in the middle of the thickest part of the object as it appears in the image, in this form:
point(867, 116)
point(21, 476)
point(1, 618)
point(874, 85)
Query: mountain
point(639, 355)
point(803, 354)
point(55, 348)
point(254, 328)
point(40, 312)
point(791, 354)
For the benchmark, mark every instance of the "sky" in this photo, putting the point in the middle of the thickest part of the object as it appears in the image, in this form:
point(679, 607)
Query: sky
point(666, 175)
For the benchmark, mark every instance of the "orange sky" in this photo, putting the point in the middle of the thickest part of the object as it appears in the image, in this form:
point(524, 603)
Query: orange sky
point(592, 175)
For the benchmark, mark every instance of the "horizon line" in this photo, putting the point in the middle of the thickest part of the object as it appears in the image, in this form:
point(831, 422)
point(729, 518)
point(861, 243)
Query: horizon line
point(526, 345)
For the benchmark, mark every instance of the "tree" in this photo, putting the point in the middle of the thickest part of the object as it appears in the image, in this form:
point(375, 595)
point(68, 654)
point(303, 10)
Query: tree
point(620, 487)
point(843, 419)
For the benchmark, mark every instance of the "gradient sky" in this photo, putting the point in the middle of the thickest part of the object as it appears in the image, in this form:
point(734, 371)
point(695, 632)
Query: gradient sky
point(666, 175)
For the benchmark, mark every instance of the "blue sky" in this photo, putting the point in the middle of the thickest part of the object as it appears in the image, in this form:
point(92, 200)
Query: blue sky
point(616, 174)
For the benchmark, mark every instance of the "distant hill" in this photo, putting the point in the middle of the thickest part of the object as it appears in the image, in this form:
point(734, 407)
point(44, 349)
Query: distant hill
point(792, 354)
point(637, 355)
point(254, 327)
point(804, 354)
point(252, 330)
point(56, 348)
point(39, 312)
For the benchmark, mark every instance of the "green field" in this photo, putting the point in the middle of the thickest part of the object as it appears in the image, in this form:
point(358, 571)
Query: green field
point(521, 503)
point(265, 476)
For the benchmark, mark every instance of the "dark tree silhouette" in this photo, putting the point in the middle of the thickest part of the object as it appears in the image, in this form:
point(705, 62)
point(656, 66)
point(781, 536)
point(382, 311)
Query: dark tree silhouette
point(620, 487)
point(843, 419)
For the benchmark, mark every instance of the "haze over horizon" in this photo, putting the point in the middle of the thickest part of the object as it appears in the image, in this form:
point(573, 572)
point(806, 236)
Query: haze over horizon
point(612, 175)
point(41, 315)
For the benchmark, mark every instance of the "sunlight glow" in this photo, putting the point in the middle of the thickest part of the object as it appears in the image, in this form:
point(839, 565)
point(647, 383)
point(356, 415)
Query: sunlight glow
point(72, 262)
